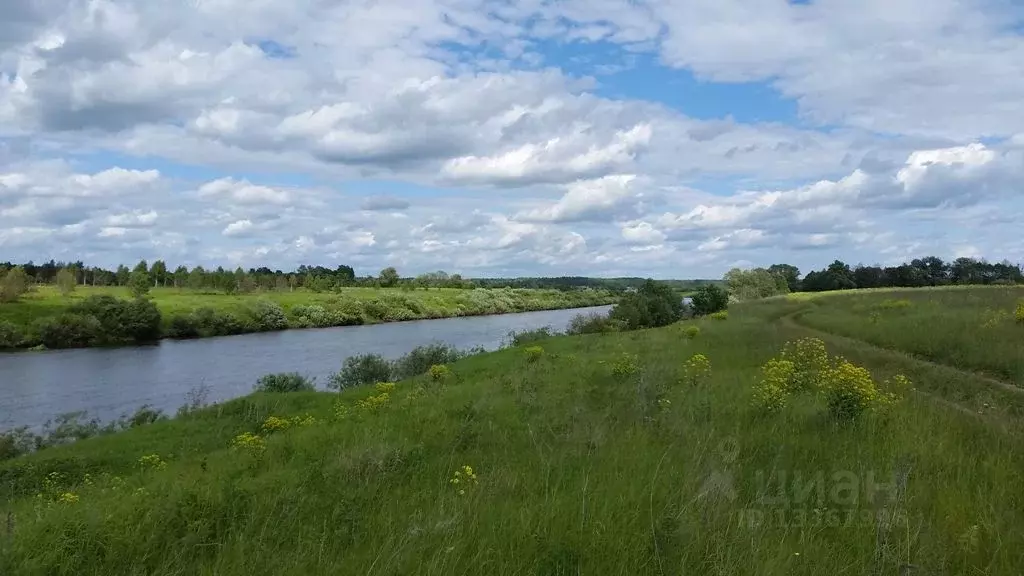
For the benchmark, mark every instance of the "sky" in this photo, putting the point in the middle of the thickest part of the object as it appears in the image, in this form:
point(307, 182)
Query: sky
point(654, 138)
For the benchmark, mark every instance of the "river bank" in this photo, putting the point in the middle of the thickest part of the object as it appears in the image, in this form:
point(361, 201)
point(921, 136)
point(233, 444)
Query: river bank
point(46, 317)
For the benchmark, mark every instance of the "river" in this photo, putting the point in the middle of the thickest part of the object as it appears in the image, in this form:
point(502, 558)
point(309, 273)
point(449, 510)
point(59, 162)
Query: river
point(110, 382)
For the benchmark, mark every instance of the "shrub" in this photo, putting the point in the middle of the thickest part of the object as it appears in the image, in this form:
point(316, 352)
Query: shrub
point(810, 364)
point(592, 323)
point(708, 300)
point(534, 353)
point(183, 326)
point(849, 390)
point(690, 331)
point(772, 392)
point(627, 365)
point(1018, 314)
point(268, 316)
point(121, 321)
point(360, 370)
point(440, 372)
point(720, 315)
point(10, 335)
point(284, 382)
point(314, 317)
point(69, 330)
point(697, 369)
point(420, 359)
point(529, 336)
point(652, 305)
point(213, 323)
point(893, 304)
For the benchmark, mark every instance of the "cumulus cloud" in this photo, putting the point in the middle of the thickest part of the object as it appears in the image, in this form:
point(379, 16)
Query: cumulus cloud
point(520, 161)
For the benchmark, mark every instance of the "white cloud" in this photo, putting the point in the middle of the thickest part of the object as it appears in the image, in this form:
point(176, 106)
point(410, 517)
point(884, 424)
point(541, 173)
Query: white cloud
point(238, 228)
point(603, 199)
point(244, 192)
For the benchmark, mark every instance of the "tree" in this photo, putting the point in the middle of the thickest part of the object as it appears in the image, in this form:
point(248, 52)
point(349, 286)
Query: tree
point(756, 283)
point(159, 273)
point(789, 272)
point(180, 276)
point(709, 299)
point(14, 284)
point(142, 266)
point(66, 281)
point(139, 283)
point(197, 278)
point(121, 276)
point(388, 277)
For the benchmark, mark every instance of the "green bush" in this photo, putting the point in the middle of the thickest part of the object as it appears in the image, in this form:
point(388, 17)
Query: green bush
point(69, 330)
point(10, 335)
point(313, 317)
point(652, 305)
point(592, 323)
point(183, 326)
point(360, 370)
point(709, 299)
point(421, 358)
point(285, 382)
point(121, 321)
point(17, 442)
point(530, 336)
point(268, 316)
point(213, 323)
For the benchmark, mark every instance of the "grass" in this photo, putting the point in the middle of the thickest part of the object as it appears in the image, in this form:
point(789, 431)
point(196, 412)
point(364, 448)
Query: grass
point(598, 454)
point(372, 305)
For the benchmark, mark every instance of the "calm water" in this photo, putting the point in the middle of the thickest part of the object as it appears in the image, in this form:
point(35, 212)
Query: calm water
point(107, 383)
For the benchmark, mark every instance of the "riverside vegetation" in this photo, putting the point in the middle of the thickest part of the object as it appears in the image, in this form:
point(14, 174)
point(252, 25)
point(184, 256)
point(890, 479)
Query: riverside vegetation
point(859, 433)
point(95, 316)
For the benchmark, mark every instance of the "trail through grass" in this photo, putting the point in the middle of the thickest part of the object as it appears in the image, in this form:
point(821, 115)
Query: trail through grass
point(597, 454)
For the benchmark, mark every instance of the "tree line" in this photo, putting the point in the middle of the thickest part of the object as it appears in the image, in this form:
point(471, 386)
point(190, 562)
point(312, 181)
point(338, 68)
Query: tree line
point(919, 272)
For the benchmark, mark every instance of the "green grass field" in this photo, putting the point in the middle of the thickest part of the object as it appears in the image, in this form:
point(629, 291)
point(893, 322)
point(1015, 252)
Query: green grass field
point(45, 301)
point(579, 469)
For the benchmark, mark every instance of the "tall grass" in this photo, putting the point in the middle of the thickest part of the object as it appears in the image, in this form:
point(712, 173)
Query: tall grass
point(601, 455)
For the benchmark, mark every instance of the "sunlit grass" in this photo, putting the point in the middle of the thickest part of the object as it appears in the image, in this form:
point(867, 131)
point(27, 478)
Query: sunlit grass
point(623, 453)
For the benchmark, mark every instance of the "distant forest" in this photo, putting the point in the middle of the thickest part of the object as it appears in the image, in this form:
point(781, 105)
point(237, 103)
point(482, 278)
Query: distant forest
point(316, 278)
point(759, 282)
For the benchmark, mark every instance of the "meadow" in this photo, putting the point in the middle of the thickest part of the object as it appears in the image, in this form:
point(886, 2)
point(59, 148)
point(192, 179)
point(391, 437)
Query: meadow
point(239, 313)
point(642, 452)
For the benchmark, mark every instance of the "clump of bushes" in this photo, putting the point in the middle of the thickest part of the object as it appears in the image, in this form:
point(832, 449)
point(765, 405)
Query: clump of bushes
point(805, 367)
point(593, 323)
point(530, 336)
point(534, 353)
point(651, 306)
point(720, 315)
point(319, 317)
point(267, 316)
point(421, 358)
point(1018, 314)
point(690, 331)
point(68, 330)
point(100, 320)
point(361, 370)
point(285, 382)
point(203, 323)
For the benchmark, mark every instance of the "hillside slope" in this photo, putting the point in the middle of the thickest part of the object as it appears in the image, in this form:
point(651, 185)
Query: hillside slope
point(601, 454)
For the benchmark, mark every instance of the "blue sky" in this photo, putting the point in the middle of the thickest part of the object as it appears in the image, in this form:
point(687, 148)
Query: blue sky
point(665, 139)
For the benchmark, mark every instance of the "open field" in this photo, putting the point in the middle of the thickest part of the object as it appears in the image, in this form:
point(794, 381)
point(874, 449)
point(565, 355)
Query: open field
point(595, 454)
point(344, 306)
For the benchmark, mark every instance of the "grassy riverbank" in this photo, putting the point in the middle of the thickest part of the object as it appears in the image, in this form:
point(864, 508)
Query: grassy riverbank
point(191, 313)
point(596, 454)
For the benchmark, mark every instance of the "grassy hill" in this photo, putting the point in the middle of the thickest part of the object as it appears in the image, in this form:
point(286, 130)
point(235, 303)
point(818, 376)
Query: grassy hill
point(599, 454)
